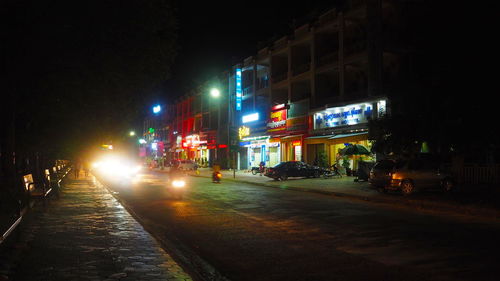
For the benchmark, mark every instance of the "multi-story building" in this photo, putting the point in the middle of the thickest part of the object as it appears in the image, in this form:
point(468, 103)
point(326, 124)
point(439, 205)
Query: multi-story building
point(303, 96)
point(199, 125)
point(323, 83)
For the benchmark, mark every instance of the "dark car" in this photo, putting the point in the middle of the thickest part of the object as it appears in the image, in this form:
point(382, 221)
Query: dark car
point(284, 170)
point(408, 176)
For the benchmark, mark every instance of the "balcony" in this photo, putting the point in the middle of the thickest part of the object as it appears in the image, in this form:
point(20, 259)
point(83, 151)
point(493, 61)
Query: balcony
point(301, 69)
point(327, 59)
point(248, 91)
point(279, 77)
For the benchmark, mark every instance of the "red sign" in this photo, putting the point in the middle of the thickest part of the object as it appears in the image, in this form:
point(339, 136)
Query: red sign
point(277, 121)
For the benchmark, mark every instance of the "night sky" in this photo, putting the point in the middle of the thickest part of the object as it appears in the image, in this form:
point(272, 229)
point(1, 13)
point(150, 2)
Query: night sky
point(90, 70)
point(213, 36)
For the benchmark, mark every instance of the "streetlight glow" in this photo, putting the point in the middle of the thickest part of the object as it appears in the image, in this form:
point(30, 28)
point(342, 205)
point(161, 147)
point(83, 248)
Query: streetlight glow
point(156, 108)
point(131, 133)
point(215, 92)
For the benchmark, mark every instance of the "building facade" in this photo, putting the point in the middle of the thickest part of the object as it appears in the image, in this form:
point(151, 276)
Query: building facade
point(302, 97)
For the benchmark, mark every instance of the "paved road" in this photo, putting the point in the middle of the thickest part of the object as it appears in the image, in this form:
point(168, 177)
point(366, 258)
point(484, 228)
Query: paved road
point(248, 232)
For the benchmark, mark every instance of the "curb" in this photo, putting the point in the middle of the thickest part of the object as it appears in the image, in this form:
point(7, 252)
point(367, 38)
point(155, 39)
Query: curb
point(194, 265)
point(448, 208)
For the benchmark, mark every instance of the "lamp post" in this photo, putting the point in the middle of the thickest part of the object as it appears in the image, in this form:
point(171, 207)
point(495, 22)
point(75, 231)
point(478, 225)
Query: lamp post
point(216, 94)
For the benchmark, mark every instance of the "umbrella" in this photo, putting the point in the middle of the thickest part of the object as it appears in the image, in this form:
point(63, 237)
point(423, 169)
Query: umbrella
point(355, 149)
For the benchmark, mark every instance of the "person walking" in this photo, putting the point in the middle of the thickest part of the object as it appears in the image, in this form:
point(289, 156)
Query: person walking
point(77, 167)
point(86, 168)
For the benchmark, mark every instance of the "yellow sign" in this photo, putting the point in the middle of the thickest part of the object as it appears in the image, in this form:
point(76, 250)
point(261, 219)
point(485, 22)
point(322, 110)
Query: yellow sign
point(243, 132)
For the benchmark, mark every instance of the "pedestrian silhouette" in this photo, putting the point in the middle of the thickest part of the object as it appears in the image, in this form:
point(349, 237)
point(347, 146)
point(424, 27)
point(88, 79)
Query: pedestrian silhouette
point(86, 168)
point(77, 167)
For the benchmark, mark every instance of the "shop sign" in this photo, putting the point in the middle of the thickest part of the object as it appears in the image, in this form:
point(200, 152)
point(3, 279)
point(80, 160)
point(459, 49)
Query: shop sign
point(193, 141)
point(347, 115)
point(273, 144)
point(296, 143)
point(243, 131)
point(250, 117)
point(239, 92)
point(277, 121)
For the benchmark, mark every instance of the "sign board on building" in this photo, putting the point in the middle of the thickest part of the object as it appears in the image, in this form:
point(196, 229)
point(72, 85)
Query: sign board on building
point(239, 91)
point(243, 131)
point(277, 120)
point(348, 115)
point(250, 117)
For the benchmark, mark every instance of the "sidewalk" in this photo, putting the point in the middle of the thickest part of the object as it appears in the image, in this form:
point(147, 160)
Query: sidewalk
point(463, 203)
point(86, 235)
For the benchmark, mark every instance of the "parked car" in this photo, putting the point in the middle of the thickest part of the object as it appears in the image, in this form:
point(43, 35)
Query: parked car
point(284, 170)
point(184, 164)
point(409, 176)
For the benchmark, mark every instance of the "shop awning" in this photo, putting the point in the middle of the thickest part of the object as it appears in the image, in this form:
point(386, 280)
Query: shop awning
point(347, 135)
point(319, 137)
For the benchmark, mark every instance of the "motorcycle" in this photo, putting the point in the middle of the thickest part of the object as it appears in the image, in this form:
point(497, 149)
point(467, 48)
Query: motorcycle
point(332, 172)
point(177, 187)
point(259, 170)
point(216, 176)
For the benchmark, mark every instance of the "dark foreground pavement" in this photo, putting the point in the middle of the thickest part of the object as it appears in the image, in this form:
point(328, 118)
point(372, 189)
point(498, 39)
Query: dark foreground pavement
point(85, 235)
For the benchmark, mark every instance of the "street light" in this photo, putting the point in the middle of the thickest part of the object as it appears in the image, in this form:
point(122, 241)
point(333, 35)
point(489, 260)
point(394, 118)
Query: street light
point(156, 109)
point(131, 133)
point(214, 92)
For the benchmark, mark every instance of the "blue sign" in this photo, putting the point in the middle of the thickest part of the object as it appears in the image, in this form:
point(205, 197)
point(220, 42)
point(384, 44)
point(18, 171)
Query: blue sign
point(346, 115)
point(239, 91)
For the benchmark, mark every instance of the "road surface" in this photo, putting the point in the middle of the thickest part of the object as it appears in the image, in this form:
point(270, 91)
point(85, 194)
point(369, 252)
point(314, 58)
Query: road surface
point(250, 232)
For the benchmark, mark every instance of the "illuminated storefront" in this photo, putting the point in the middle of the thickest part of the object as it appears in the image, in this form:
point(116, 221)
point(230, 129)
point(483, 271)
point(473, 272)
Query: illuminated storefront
point(336, 127)
point(276, 127)
point(261, 149)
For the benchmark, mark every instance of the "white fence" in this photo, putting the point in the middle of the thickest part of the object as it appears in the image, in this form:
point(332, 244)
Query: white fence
point(479, 174)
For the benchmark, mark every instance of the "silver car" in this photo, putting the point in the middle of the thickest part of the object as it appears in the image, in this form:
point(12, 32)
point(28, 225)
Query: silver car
point(409, 176)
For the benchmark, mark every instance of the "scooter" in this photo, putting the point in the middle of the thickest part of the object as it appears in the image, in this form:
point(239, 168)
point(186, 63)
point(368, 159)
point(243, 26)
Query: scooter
point(216, 176)
point(177, 187)
point(258, 170)
point(332, 172)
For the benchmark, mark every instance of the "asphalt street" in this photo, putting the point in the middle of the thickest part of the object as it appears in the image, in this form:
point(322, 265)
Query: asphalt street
point(247, 232)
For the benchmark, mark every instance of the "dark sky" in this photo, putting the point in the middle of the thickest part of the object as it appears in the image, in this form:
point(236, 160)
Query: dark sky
point(213, 35)
point(112, 58)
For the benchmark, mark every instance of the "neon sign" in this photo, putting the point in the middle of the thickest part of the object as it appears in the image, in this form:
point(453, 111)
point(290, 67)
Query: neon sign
point(239, 91)
point(243, 132)
point(250, 117)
